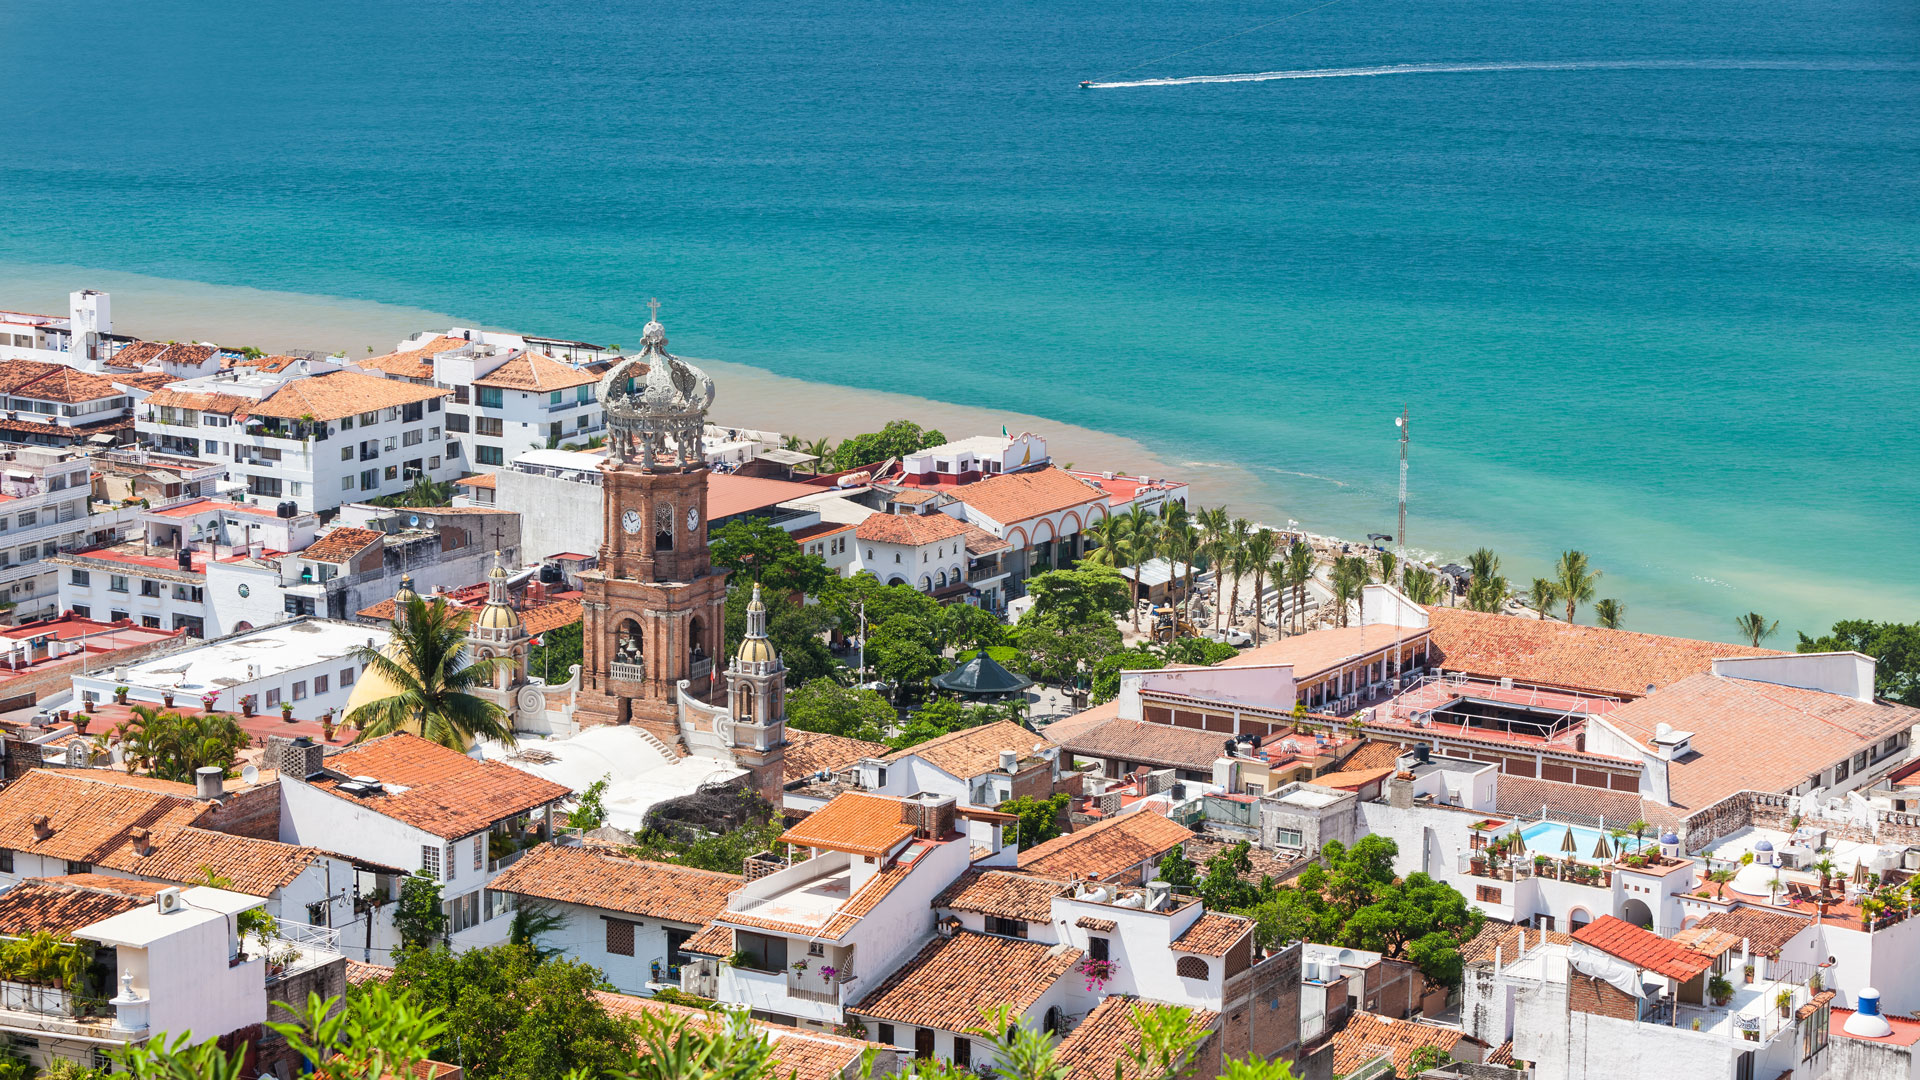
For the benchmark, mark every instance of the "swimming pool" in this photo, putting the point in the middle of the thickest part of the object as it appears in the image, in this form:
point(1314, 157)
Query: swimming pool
point(1545, 838)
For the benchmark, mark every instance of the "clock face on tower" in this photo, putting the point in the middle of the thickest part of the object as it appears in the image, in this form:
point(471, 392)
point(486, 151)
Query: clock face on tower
point(693, 518)
point(630, 521)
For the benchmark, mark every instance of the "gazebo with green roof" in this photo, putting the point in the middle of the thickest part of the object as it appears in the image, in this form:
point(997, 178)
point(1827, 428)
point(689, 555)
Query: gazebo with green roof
point(981, 677)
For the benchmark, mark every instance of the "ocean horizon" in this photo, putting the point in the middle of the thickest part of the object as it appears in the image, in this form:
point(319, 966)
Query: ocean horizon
point(1645, 278)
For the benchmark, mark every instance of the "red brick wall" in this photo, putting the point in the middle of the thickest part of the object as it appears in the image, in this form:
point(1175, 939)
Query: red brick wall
point(254, 813)
point(1589, 995)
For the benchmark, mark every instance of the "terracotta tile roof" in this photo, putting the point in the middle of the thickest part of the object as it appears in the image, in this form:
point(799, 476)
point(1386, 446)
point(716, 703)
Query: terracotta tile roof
point(1319, 652)
point(187, 355)
point(1766, 931)
point(538, 618)
point(1505, 938)
point(338, 394)
point(138, 353)
point(53, 382)
point(912, 496)
point(1643, 948)
point(712, 940)
point(952, 979)
point(536, 371)
point(973, 751)
point(662, 891)
point(1014, 497)
point(483, 480)
point(358, 973)
point(446, 792)
point(413, 363)
point(730, 493)
point(1353, 779)
point(342, 544)
point(274, 364)
point(809, 752)
point(1374, 754)
point(1072, 727)
point(92, 818)
point(1524, 795)
point(210, 402)
point(144, 380)
point(817, 530)
point(1706, 939)
point(1553, 653)
point(61, 907)
point(1103, 926)
point(1003, 893)
point(1754, 735)
point(1160, 745)
point(912, 530)
point(1108, 1037)
point(1501, 1055)
point(1106, 848)
point(856, 823)
point(981, 542)
point(1367, 1036)
point(797, 1053)
point(1213, 934)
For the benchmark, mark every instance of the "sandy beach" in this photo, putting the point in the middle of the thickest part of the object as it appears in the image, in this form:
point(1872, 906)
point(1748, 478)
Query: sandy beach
point(163, 309)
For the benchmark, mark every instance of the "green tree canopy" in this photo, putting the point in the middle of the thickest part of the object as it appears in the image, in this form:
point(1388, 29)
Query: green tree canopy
point(511, 1015)
point(827, 707)
point(1895, 646)
point(897, 439)
point(1039, 818)
point(1086, 595)
point(167, 745)
point(1106, 670)
point(755, 549)
point(1059, 651)
point(432, 677)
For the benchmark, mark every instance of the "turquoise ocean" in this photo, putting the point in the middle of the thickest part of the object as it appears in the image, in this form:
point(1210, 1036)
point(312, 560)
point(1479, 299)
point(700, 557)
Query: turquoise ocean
point(1647, 276)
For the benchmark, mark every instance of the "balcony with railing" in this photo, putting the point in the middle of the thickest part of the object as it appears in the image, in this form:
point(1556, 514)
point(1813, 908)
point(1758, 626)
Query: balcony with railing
point(628, 672)
point(701, 668)
point(298, 947)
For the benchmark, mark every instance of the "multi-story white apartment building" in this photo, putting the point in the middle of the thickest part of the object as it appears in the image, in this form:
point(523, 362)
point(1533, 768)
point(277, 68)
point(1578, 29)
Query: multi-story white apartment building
point(52, 338)
point(44, 511)
point(507, 394)
point(51, 404)
point(313, 441)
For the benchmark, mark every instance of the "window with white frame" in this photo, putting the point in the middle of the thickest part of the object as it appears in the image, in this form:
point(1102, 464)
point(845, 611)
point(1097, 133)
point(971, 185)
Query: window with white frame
point(430, 860)
point(453, 864)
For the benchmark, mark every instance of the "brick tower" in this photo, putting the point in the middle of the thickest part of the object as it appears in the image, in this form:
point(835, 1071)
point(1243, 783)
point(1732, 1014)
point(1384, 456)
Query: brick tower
point(655, 608)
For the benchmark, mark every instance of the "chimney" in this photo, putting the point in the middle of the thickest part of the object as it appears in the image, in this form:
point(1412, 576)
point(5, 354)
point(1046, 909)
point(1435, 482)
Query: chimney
point(142, 841)
point(1009, 761)
point(42, 827)
point(209, 780)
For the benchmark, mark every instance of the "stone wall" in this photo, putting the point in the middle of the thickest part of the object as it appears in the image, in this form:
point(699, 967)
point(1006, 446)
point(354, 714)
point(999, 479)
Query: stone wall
point(255, 813)
point(1769, 810)
point(1262, 1013)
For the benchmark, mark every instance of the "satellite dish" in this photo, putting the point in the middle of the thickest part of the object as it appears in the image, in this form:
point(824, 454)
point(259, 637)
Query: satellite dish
point(250, 774)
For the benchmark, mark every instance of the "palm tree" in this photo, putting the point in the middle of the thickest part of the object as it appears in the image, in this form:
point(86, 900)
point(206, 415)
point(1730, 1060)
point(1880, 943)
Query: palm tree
point(1138, 540)
point(1349, 583)
point(1422, 586)
point(427, 665)
point(1487, 590)
point(821, 451)
point(1608, 613)
point(1388, 560)
point(1102, 541)
point(1755, 628)
point(790, 442)
point(1720, 878)
point(1573, 580)
point(1483, 563)
point(1234, 559)
point(1259, 554)
point(1299, 573)
point(1180, 543)
point(1542, 595)
point(1214, 524)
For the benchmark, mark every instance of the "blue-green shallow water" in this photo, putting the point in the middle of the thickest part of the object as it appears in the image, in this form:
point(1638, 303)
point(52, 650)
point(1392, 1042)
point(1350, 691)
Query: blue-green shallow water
point(1665, 314)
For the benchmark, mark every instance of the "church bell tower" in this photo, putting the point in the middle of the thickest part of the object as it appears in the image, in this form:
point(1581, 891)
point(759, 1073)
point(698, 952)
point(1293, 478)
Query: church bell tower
point(655, 608)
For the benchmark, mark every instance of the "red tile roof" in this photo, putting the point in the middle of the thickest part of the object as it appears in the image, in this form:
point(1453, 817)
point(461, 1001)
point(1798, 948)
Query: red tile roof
point(446, 793)
point(534, 371)
point(1368, 1036)
point(480, 480)
point(1766, 932)
point(1213, 933)
point(1755, 735)
point(413, 363)
point(1553, 653)
point(712, 940)
point(952, 980)
point(809, 752)
point(342, 544)
point(1004, 893)
point(338, 394)
point(1108, 1037)
point(795, 1053)
point(53, 382)
point(1643, 948)
point(62, 906)
point(912, 530)
point(662, 891)
point(730, 493)
point(1014, 497)
point(855, 823)
point(1107, 848)
point(973, 751)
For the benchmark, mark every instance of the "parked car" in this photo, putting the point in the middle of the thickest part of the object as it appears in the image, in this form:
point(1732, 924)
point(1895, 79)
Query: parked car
point(1232, 635)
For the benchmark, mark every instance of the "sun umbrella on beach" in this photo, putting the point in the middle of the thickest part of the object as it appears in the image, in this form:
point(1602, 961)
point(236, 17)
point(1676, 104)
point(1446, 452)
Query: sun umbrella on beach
point(1568, 844)
point(1601, 850)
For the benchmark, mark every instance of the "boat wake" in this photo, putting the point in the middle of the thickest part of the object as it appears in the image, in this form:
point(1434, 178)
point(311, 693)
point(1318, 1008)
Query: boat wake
point(1449, 69)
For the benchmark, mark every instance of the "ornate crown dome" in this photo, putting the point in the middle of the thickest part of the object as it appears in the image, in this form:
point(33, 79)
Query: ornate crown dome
point(755, 648)
point(498, 613)
point(656, 404)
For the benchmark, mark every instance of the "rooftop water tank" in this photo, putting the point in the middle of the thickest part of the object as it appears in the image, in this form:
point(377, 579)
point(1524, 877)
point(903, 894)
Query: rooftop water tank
point(1866, 1021)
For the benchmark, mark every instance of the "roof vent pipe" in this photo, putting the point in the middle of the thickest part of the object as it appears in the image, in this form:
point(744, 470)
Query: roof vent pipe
point(209, 781)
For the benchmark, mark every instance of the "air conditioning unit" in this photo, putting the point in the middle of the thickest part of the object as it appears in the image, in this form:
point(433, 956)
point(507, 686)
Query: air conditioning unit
point(169, 900)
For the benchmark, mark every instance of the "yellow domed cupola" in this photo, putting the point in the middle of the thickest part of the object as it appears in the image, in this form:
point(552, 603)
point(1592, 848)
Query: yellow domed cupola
point(755, 648)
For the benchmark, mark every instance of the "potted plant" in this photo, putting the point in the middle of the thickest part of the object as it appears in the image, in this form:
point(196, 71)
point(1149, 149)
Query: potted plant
point(1784, 1000)
point(286, 711)
point(1696, 1023)
point(326, 726)
point(799, 966)
point(1748, 970)
point(829, 972)
point(1869, 908)
point(739, 958)
point(247, 705)
point(82, 720)
point(1720, 989)
point(120, 694)
point(1814, 983)
point(1098, 972)
point(207, 701)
